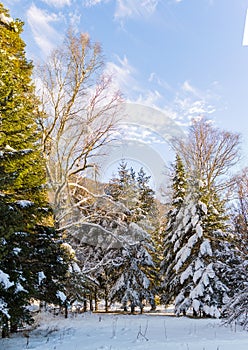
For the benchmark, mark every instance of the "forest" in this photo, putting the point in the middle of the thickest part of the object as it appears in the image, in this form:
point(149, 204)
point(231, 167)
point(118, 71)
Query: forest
point(68, 240)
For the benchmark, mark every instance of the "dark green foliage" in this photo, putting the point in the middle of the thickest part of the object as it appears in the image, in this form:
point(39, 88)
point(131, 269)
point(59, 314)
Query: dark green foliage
point(235, 310)
point(196, 246)
point(133, 282)
point(179, 187)
point(123, 188)
point(28, 246)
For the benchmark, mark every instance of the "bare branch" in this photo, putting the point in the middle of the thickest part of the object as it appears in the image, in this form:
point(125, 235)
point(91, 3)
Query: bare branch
point(77, 115)
point(209, 153)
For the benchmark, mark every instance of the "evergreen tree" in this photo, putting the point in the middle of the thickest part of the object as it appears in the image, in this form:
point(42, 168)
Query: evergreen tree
point(147, 214)
point(123, 188)
point(97, 240)
point(24, 209)
point(132, 281)
point(179, 187)
point(235, 309)
point(198, 244)
point(145, 206)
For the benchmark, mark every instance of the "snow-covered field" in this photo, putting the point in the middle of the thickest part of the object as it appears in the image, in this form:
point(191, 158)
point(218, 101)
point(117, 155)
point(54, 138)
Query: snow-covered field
point(130, 332)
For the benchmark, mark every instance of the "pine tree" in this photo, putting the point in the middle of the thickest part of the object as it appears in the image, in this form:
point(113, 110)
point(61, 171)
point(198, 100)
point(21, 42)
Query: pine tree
point(179, 187)
point(132, 282)
point(235, 309)
point(198, 245)
point(97, 240)
point(145, 206)
point(147, 215)
point(24, 209)
point(123, 187)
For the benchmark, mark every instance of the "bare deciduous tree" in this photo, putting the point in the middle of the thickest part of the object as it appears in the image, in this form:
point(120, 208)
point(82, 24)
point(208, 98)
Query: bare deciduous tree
point(79, 108)
point(209, 152)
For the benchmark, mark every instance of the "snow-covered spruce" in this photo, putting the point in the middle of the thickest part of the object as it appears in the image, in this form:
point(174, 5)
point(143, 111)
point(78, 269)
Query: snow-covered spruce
point(193, 277)
point(131, 285)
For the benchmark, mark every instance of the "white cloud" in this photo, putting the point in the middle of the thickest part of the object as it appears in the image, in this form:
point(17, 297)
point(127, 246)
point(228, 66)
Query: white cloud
point(182, 105)
point(187, 87)
point(135, 8)
point(45, 35)
point(74, 18)
point(149, 98)
point(154, 78)
point(57, 3)
point(122, 74)
point(128, 8)
point(124, 79)
point(190, 102)
point(90, 3)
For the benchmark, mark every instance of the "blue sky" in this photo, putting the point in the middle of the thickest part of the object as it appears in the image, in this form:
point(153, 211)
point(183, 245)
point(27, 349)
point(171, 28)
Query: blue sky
point(183, 57)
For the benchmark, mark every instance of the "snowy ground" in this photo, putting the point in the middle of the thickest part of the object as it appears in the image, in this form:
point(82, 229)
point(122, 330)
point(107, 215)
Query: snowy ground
point(130, 332)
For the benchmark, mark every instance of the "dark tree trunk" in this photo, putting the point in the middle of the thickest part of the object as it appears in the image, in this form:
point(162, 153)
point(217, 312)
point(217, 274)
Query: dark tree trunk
point(13, 327)
point(66, 309)
point(85, 303)
point(5, 327)
point(106, 299)
point(91, 303)
point(95, 296)
point(194, 313)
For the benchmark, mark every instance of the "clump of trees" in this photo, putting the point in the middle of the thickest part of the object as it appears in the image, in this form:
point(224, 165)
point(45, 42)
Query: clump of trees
point(202, 245)
point(66, 238)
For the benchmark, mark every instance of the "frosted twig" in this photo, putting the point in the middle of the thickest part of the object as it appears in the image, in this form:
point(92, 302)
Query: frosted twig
point(143, 334)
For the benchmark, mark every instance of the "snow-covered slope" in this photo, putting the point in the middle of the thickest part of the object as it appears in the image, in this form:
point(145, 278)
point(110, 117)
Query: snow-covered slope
point(129, 332)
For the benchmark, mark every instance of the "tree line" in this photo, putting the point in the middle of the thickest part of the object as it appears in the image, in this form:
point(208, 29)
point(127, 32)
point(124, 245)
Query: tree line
point(66, 239)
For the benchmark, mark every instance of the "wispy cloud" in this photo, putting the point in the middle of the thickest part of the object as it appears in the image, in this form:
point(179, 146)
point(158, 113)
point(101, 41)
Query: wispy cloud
point(149, 98)
point(135, 8)
point(125, 79)
point(74, 19)
point(154, 78)
point(122, 74)
point(40, 22)
point(128, 8)
point(182, 104)
point(57, 3)
point(190, 103)
point(90, 3)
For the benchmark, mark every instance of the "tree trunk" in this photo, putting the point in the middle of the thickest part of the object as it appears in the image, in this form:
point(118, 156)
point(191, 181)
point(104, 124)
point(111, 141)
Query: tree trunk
point(13, 327)
point(91, 303)
point(85, 303)
point(106, 299)
point(194, 313)
point(5, 327)
point(66, 309)
point(96, 301)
